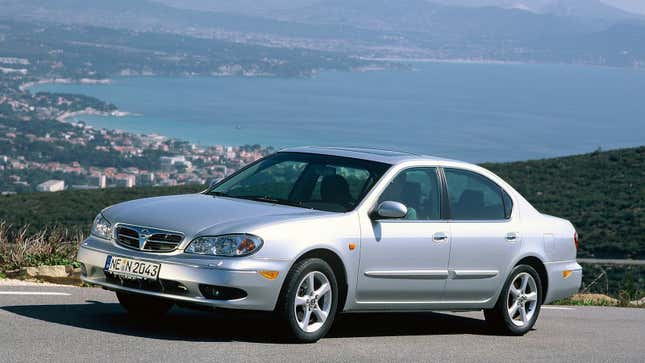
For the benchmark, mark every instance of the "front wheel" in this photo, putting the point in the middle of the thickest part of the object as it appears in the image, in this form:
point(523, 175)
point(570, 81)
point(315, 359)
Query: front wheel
point(143, 306)
point(519, 303)
point(309, 300)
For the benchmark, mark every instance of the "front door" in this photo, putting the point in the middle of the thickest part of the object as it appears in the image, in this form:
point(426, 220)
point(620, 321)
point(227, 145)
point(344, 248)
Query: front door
point(405, 261)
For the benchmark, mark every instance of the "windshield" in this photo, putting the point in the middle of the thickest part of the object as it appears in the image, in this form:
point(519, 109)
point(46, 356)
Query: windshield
point(323, 182)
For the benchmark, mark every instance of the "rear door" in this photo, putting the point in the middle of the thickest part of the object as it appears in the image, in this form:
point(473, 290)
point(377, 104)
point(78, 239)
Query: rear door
point(484, 237)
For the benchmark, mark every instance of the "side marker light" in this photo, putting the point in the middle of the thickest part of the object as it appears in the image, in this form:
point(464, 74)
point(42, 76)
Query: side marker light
point(270, 275)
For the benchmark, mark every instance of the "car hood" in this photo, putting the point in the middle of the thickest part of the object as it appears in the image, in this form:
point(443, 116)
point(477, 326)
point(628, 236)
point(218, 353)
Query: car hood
point(193, 213)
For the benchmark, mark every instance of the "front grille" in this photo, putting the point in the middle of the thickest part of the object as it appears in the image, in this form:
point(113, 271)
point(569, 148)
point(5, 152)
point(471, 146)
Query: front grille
point(162, 242)
point(127, 237)
point(147, 239)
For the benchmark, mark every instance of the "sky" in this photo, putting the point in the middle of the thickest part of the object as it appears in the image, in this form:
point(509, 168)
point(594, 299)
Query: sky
point(636, 6)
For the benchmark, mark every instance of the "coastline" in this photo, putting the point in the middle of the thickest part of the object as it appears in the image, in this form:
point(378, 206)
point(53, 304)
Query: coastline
point(493, 62)
point(25, 86)
point(449, 60)
point(66, 116)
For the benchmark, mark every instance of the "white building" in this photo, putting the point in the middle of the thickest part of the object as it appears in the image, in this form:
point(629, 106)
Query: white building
point(127, 181)
point(172, 160)
point(51, 186)
point(146, 178)
point(99, 181)
point(168, 162)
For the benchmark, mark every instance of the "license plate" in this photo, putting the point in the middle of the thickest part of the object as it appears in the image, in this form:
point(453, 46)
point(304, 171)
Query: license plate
point(133, 269)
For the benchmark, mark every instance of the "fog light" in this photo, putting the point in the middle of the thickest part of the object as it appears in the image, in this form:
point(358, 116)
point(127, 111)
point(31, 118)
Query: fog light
point(271, 275)
point(221, 292)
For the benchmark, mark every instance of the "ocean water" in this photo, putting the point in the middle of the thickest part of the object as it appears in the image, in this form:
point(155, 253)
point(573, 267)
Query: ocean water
point(474, 112)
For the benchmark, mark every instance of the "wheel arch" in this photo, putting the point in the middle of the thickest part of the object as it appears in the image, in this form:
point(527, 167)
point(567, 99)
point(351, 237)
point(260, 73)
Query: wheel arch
point(337, 265)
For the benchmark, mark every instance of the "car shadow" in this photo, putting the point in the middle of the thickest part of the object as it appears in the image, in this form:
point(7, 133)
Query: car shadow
point(191, 325)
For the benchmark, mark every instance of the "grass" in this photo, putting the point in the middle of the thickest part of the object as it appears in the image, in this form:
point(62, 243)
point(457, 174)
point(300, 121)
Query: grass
point(20, 248)
point(582, 299)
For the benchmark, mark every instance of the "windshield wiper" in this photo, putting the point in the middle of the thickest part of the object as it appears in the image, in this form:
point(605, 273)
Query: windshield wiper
point(262, 198)
point(266, 198)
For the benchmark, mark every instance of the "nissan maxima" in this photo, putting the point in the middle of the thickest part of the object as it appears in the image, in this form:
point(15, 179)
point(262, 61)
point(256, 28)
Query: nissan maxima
point(307, 233)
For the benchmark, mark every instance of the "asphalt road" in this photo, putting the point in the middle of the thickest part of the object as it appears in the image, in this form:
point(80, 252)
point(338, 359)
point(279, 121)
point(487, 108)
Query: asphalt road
point(87, 324)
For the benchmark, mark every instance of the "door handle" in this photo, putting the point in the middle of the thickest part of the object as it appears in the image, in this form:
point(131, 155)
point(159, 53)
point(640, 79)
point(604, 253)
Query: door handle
point(440, 237)
point(511, 237)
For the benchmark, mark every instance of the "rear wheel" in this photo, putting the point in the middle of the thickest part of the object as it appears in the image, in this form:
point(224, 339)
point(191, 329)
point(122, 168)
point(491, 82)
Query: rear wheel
point(309, 301)
point(142, 305)
point(519, 303)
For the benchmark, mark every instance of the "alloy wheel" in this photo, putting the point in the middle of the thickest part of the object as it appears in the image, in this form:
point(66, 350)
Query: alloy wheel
point(313, 301)
point(522, 299)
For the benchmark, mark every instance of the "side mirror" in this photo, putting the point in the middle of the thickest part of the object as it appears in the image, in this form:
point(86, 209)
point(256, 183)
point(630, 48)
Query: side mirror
point(389, 209)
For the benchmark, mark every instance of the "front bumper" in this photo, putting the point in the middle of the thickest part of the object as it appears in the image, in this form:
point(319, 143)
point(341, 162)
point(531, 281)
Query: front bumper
point(190, 272)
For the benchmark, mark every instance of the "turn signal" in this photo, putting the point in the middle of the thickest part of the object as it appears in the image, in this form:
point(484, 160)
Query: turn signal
point(566, 274)
point(271, 275)
point(352, 246)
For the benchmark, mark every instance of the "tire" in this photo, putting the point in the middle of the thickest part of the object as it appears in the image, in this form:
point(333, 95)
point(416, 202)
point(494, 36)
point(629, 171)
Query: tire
point(308, 314)
point(143, 306)
point(517, 309)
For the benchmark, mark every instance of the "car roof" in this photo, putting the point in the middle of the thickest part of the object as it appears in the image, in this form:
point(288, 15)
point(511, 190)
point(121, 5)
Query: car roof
point(392, 157)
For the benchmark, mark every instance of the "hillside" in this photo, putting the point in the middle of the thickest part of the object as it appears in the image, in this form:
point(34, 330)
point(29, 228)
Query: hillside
point(579, 32)
point(602, 193)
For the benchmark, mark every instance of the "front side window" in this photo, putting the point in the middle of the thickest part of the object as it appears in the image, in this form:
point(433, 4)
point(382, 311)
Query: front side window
point(418, 189)
point(474, 197)
point(324, 182)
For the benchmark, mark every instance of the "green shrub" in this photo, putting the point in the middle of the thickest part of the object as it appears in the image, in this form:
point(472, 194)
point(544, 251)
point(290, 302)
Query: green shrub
point(20, 248)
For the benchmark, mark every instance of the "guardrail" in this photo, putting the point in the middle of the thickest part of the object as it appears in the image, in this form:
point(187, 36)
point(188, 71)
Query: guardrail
point(611, 261)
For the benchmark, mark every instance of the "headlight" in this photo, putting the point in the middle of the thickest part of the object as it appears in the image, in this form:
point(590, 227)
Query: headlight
point(230, 245)
point(102, 227)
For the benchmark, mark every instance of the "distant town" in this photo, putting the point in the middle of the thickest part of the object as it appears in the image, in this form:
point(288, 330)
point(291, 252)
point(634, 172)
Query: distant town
point(44, 147)
point(181, 163)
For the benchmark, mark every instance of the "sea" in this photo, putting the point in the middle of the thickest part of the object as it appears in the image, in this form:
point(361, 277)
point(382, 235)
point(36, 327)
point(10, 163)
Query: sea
point(470, 111)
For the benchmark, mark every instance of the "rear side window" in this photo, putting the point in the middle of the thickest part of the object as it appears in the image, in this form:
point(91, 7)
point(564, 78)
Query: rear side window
point(508, 204)
point(474, 197)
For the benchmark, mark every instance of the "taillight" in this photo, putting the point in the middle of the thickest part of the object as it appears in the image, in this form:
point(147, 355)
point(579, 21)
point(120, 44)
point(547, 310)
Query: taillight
point(575, 240)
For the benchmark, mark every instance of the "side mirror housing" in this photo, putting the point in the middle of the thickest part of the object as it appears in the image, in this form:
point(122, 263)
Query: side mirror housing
point(389, 210)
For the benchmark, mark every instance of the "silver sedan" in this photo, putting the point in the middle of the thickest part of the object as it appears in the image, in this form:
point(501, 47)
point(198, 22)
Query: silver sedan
point(307, 233)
